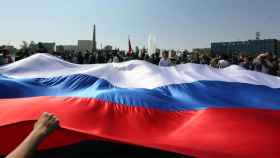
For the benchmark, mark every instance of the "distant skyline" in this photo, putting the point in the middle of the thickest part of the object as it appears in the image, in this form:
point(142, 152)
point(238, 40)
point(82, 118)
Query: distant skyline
point(175, 23)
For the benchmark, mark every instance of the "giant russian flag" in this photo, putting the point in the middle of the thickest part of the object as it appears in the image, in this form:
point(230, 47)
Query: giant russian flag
point(189, 109)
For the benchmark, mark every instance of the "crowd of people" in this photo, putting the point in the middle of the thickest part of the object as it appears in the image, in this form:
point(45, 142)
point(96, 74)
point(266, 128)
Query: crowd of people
point(263, 62)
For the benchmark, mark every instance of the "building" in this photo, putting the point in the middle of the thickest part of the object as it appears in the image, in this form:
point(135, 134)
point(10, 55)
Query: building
point(70, 47)
point(250, 47)
point(87, 45)
point(84, 45)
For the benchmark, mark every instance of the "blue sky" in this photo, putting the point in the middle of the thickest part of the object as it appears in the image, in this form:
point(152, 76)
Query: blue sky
point(175, 23)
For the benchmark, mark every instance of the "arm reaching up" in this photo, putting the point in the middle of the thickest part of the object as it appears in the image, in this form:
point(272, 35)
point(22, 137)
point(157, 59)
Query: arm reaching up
point(42, 128)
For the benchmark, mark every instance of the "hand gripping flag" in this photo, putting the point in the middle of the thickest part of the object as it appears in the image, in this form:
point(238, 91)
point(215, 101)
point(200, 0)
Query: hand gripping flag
point(190, 109)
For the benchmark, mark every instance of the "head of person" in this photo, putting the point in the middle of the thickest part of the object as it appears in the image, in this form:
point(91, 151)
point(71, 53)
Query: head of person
point(224, 57)
point(242, 56)
point(157, 54)
point(165, 54)
point(5, 52)
point(246, 59)
point(268, 56)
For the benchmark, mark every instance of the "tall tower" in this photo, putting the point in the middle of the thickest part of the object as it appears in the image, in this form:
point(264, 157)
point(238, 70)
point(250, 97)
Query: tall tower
point(94, 39)
point(258, 35)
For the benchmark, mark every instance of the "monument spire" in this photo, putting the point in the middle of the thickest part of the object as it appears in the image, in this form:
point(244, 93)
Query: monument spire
point(94, 39)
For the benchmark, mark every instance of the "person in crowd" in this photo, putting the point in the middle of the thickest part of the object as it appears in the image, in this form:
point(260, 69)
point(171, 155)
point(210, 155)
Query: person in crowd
point(157, 58)
point(152, 59)
point(204, 59)
point(263, 63)
point(244, 62)
point(142, 54)
point(195, 58)
point(80, 58)
point(135, 56)
point(173, 57)
point(68, 56)
point(87, 57)
point(115, 58)
point(75, 59)
point(100, 58)
point(185, 57)
point(223, 61)
point(129, 56)
point(147, 58)
point(92, 58)
point(165, 61)
point(1, 57)
point(107, 55)
point(278, 70)
point(6, 57)
point(214, 62)
point(45, 125)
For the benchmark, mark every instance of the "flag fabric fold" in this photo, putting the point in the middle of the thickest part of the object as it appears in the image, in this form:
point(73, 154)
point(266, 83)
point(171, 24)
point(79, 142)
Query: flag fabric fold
point(190, 109)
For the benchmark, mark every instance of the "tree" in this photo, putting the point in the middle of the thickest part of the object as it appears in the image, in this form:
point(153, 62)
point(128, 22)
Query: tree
point(137, 50)
point(33, 47)
point(25, 45)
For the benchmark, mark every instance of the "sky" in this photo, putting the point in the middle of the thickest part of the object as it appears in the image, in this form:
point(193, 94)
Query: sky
point(176, 24)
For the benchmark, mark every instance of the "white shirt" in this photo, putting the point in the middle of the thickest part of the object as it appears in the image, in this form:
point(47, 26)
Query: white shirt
point(164, 62)
point(116, 59)
point(223, 63)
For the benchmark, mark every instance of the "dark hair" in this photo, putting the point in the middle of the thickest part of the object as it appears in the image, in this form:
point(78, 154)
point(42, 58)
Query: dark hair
point(225, 56)
point(165, 52)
